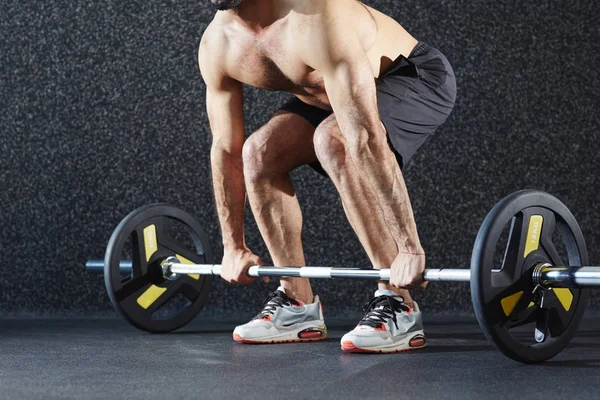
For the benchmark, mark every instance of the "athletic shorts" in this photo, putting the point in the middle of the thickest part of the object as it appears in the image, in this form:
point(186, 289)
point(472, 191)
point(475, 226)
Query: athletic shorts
point(415, 95)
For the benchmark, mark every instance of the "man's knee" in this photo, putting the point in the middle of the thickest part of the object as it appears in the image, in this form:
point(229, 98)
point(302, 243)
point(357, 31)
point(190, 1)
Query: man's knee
point(335, 150)
point(260, 160)
point(330, 147)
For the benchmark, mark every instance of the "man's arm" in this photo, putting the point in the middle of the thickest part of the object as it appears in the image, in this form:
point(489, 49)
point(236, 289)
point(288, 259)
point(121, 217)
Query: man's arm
point(334, 49)
point(224, 102)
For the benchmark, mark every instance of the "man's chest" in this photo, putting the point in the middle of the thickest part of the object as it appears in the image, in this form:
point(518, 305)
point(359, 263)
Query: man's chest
point(272, 63)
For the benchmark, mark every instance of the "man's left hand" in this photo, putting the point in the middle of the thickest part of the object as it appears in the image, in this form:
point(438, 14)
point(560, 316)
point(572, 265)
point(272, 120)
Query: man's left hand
point(407, 270)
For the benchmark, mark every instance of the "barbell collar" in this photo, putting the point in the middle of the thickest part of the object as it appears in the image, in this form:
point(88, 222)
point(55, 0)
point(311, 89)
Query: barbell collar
point(549, 276)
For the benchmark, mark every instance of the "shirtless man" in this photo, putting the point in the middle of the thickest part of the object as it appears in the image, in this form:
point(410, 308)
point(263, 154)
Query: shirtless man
point(366, 95)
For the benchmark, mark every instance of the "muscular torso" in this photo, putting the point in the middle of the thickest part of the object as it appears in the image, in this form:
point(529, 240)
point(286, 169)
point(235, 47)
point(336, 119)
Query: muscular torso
point(269, 60)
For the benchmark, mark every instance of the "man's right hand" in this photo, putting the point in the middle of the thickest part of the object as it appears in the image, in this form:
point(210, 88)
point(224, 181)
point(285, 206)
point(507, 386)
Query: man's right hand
point(236, 263)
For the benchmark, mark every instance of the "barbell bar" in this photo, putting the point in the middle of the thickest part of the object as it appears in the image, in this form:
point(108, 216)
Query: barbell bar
point(97, 266)
point(172, 268)
point(546, 275)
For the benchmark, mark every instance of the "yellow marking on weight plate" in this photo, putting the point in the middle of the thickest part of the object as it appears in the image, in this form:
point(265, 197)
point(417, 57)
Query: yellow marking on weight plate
point(150, 242)
point(509, 303)
point(533, 234)
point(531, 304)
point(150, 296)
point(565, 296)
point(184, 260)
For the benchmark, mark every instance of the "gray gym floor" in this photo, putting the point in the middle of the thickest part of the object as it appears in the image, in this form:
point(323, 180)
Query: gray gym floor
point(108, 359)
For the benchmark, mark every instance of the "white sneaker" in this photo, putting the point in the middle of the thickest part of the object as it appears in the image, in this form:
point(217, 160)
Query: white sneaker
point(284, 320)
point(388, 326)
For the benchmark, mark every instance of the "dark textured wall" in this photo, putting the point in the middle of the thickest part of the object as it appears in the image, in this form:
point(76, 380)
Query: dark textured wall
point(102, 111)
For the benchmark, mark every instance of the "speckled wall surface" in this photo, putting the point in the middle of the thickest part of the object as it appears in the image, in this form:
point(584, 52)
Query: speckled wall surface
point(98, 98)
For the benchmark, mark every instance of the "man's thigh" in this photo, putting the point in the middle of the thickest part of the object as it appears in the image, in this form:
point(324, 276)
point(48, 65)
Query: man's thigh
point(310, 115)
point(286, 141)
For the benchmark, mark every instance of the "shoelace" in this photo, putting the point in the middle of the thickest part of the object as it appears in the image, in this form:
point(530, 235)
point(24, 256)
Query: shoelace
point(381, 308)
point(275, 300)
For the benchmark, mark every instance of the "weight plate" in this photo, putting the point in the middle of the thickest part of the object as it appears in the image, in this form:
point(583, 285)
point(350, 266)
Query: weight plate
point(522, 230)
point(143, 296)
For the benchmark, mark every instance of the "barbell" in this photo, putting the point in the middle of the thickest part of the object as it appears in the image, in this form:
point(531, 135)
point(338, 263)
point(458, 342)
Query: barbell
point(528, 271)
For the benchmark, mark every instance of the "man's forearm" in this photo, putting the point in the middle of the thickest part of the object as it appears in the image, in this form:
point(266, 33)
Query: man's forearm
point(354, 100)
point(368, 148)
point(230, 195)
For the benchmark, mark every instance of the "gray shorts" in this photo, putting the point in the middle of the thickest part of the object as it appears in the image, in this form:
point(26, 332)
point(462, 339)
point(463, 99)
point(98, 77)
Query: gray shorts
point(415, 95)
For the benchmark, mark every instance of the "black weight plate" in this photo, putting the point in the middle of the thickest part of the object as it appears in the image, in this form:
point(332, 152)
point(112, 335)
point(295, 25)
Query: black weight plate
point(509, 313)
point(144, 297)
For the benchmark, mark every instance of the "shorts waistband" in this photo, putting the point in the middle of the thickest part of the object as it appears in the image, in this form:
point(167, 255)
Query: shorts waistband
point(420, 48)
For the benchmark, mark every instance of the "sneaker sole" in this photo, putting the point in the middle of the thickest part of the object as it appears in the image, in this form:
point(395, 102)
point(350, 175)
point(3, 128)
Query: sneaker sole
point(240, 339)
point(306, 332)
point(419, 340)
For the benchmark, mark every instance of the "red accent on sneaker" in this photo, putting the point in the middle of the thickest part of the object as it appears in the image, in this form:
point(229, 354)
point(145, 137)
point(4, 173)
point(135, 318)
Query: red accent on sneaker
point(349, 346)
point(381, 327)
point(310, 334)
point(417, 342)
point(238, 338)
